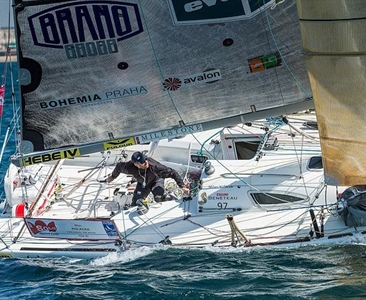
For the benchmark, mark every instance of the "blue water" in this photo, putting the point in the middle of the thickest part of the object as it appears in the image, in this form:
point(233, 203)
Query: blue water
point(7, 116)
point(326, 272)
point(337, 272)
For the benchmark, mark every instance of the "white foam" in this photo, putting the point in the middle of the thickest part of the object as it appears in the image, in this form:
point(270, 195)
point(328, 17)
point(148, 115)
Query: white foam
point(122, 257)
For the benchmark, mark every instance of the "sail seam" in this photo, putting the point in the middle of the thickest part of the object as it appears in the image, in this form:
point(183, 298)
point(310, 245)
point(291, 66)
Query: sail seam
point(332, 20)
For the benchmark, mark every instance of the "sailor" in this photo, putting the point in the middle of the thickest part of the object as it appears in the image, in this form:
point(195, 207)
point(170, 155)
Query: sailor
point(149, 175)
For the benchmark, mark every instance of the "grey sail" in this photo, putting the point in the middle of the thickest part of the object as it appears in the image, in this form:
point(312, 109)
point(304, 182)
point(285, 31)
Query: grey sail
point(126, 72)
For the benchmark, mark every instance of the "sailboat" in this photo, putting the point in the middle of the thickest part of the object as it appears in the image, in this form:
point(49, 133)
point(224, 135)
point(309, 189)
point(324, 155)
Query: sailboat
point(163, 76)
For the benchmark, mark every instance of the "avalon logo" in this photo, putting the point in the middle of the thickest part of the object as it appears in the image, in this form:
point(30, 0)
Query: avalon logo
point(175, 83)
point(86, 28)
point(172, 84)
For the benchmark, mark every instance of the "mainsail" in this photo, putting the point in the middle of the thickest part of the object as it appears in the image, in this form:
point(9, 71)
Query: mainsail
point(334, 39)
point(101, 74)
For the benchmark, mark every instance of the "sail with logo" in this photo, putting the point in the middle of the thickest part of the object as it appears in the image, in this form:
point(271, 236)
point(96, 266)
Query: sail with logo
point(96, 75)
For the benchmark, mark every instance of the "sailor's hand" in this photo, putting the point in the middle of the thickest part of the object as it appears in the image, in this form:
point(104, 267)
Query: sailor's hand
point(185, 190)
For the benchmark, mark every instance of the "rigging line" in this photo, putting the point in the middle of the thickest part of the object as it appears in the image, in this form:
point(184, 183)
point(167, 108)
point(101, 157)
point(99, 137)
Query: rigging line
point(14, 123)
point(3, 76)
point(299, 155)
point(235, 175)
point(51, 175)
point(276, 228)
point(266, 136)
point(152, 223)
point(307, 93)
point(86, 177)
point(4, 144)
point(7, 44)
point(269, 45)
point(12, 128)
point(209, 138)
point(224, 166)
point(209, 230)
point(145, 222)
point(162, 75)
point(16, 108)
point(158, 63)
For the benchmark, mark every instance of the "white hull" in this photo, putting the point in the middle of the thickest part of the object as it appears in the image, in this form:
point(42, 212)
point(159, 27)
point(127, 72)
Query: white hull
point(229, 208)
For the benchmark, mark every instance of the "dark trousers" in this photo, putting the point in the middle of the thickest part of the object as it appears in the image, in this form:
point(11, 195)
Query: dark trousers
point(157, 189)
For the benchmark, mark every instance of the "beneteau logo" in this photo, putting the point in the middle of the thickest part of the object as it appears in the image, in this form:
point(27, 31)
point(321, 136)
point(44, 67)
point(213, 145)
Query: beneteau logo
point(40, 226)
point(174, 83)
point(86, 28)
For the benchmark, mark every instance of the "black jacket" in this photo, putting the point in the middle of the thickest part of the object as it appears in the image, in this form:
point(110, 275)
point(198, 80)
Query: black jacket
point(155, 171)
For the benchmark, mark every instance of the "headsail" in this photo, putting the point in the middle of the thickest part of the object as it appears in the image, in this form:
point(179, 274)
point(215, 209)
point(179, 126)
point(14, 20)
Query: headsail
point(127, 71)
point(334, 38)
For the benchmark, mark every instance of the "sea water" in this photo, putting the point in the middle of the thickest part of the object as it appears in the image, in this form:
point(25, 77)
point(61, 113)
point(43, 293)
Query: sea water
point(11, 85)
point(316, 272)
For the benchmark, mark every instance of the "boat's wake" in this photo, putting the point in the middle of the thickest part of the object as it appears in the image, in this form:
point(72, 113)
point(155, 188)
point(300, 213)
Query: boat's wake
point(123, 257)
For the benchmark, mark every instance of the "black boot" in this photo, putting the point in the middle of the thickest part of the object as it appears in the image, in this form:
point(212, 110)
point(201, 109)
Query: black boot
point(162, 198)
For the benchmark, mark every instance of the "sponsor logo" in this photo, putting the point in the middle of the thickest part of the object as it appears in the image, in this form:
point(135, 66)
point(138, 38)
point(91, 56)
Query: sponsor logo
point(125, 92)
point(186, 12)
point(85, 28)
point(222, 194)
point(222, 197)
point(220, 186)
point(37, 159)
point(205, 11)
point(261, 63)
point(94, 99)
point(118, 143)
point(79, 228)
point(164, 134)
point(40, 226)
point(85, 99)
point(110, 229)
point(174, 83)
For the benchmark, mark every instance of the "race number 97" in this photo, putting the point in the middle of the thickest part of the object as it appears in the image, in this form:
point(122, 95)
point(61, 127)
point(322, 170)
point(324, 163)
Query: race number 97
point(222, 205)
